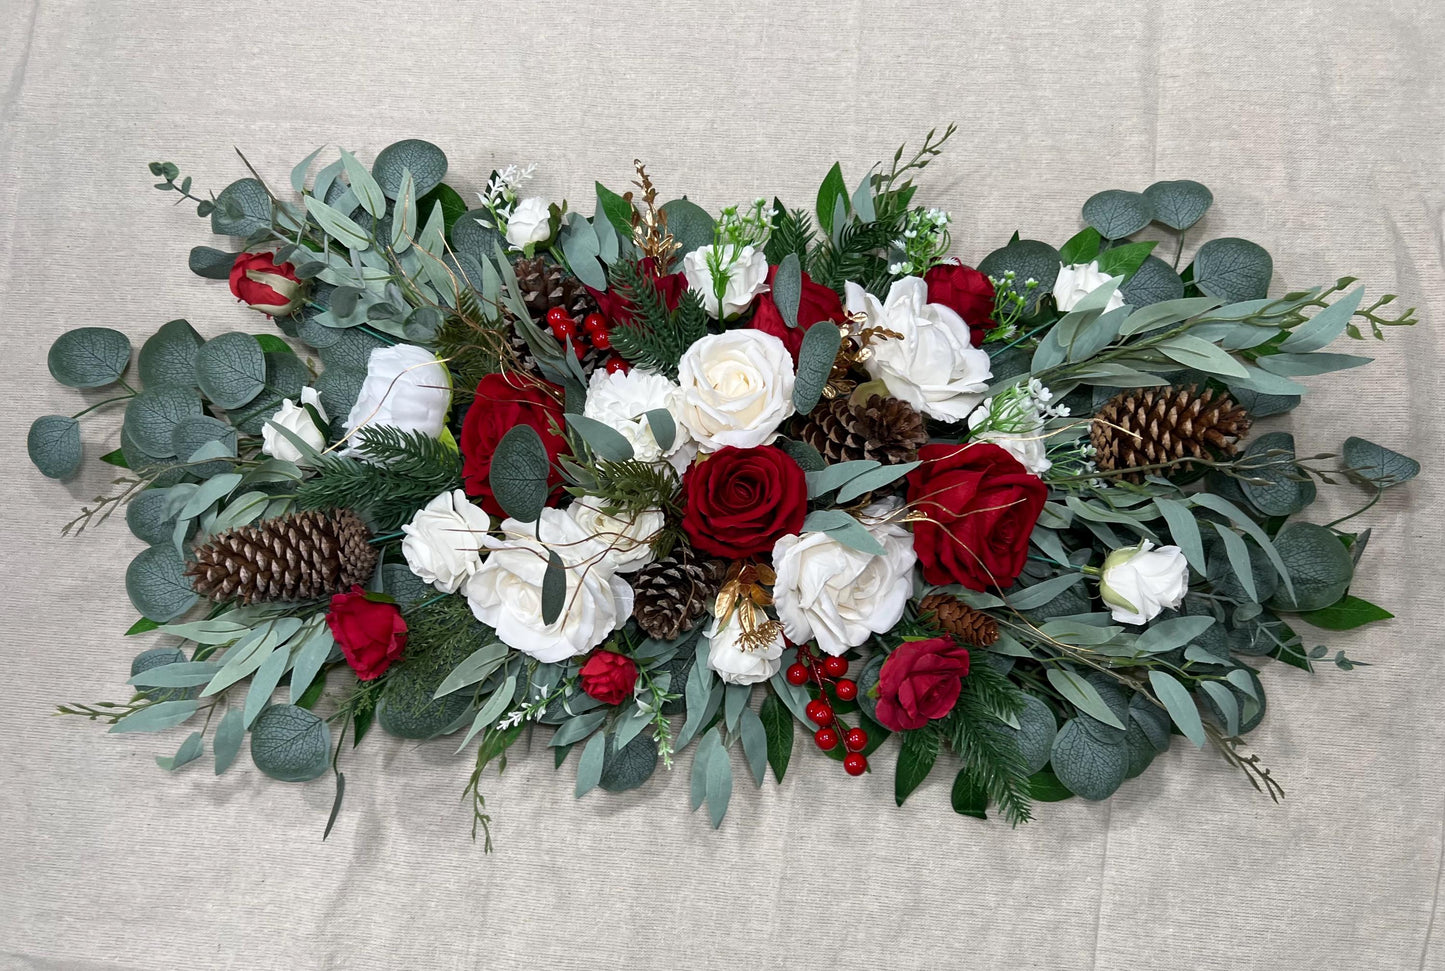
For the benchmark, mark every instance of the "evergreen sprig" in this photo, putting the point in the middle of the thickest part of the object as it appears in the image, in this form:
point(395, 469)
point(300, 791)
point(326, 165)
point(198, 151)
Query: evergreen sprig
point(857, 256)
point(406, 471)
point(792, 233)
point(991, 759)
point(654, 337)
point(473, 341)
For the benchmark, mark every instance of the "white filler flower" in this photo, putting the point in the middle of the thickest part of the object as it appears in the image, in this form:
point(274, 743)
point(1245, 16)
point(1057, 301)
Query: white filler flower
point(443, 543)
point(737, 388)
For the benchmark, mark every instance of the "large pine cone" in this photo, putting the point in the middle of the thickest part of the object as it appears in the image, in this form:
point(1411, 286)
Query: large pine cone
point(672, 595)
point(884, 429)
point(1152, 426)
point(968, 626)
point(302, 556)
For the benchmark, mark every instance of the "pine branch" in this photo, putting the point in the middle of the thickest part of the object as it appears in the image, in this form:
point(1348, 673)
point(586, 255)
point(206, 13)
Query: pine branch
point(407, 470)
point(792, 233)
point(857, 257)
point(654, 337)
point(473, 342)
point(990, 755)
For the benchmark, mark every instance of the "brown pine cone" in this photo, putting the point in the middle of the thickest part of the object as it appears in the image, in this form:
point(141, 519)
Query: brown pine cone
point(968, 626)
point(301, 556)
point(884, 429)
point(1152, 426)
point(672, 594)
point(545, 284)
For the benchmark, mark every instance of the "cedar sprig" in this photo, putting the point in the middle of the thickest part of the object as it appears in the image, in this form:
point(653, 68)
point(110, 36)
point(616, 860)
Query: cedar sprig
point(991, 759)
point(654, 337)
point(407, 470)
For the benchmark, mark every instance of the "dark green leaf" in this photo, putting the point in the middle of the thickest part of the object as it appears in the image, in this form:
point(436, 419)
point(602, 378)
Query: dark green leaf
point(157, 584)
point(169, 355)
point(89, 357)
point(915, 760)
point(231, 369)
point(1116, 213)
point(290, 743)
point(554, 588)
point(1233, 269)
point(426, 162)
point(1082, 247)
point(1318, 564)
point(1180, 204)
point(1376, 464)
point(1154, 282)
point(630, 766)
point(1281, 491)
point(1125, 260)
point(519, 473)
point(967, 798)
point(1347, 613)
point(830, 193)
point(815, 363)
point(1028, 259)
point(1086, 764)
point(778, 724)
point(616, 209)
point(53, 444)
point(1044, 786)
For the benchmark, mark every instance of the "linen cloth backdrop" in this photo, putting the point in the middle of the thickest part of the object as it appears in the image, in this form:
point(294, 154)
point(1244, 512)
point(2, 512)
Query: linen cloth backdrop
point(1317, 124)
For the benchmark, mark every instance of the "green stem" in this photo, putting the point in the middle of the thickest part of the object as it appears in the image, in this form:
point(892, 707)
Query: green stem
point(1367, 506)
point(102, 404)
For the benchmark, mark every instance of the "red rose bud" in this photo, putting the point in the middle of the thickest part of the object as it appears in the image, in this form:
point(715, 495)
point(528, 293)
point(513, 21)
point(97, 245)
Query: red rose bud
point(260, 284)
point(502, 402)
point(920, 682)
point(739, 501)
point(966, 292)
point(609, 677)
point(817, 303)
point(980, 505)
point(371, 635)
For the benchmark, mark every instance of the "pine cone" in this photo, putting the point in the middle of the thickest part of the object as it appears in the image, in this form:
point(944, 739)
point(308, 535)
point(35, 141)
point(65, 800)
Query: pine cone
point(883, 429)
point(672, 595)
point(968, 626)
point(1150, 426)
point(545, 285)
point(298, 557)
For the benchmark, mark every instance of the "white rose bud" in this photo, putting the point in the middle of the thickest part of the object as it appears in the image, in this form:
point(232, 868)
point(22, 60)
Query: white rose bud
point(1077, 280)
point(298, 421)
point(406, 387)
point(933, 365)
point(736, 664)
point(737, 388)
point(626, 545)
point(1140, 581)
point(443, 544)
point(840, 596)
point(1029, 444)
point(506, 593)
point(621, 401)
point(530, 222)
point(747, 276)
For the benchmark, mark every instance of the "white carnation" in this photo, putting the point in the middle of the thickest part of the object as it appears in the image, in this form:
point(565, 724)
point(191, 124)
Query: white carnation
point(298, 421)
point(443, 543)
point(737, 388)
point(746, 269)
point(621, 401)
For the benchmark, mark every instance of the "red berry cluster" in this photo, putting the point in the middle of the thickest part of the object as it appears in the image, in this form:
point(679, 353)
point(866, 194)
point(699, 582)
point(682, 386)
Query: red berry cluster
point(828, 673)
point(595, 333)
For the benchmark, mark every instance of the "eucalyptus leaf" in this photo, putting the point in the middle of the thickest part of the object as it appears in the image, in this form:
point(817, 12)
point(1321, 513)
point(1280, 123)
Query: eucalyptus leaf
point(242, 208)
point(1029, 259)
point(426, 163)
point(1317, 563)
point(1083, 695)
point(169, 355)
point(787, 289)
point(53, 444)
point(157, 717)
point(815, 363)
point(89, 357)
point(554, 588)
point(367, 191)
point(157, 584)
point(519, 473)
point(1179, 205)
point(1089, 766)
point(290, 743)
point(1116, 213)
point(1377, 464)
point(226, 744)
point(603, 439)
point(1180, 705)
point(231, 369)
point(690, 225)
point(1233, 269)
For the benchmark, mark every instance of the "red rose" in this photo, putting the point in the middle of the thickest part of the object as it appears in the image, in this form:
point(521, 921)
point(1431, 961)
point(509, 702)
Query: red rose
point(504, 401)
point(370, 634)
point(618, 309)
point(739, 501)
point(609, 677)
point(260, 284)
point(920, 682)
point(966, 292)
point(817, 303)
point(981, 505)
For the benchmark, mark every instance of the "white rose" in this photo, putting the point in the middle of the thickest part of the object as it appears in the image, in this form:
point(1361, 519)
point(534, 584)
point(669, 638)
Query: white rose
point(626, 545)
point(1022, 434)
point(621, 401)
point(506, 593)
point(443, 543)
point(406, 387)
point(736, 664)
point(837, 595)
point(737, 388)
point(1140, 581)
point(530, 222)
point(298, 421)
point(747, 276)
point(933, 366)
point(1077, 280)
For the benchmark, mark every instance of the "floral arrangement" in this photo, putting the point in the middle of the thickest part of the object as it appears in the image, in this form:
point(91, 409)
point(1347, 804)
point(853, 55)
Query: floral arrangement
point(659, 478)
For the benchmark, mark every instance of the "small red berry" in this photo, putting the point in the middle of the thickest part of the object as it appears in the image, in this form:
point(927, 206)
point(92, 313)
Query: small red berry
point(556, 316)
point(594, 322)
point(820, 712)
point(855, 763)
point(826, 738)
point(796, 674)
point(835, 667)
point(617, 365)
point(600, 340)
point(856, 739)
point(846, 689)
point(566, 329)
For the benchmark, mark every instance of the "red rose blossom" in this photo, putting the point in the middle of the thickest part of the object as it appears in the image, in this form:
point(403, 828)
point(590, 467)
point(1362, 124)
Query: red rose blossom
point(502, 402)
point(966, 292)
point(817, 303)
point(919, 682)
point(618, 309)
point(371, 635)
point(609, 677)
point(981, 505)
point(260, 284)
point(738, 502)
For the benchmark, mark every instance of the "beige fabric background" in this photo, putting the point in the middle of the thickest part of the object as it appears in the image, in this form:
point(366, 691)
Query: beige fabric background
point(1318, 124)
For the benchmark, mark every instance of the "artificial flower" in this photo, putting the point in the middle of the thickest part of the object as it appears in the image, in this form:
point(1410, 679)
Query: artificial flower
point(299, 421)
point(737, 388)
point(740, 501)
point(406, 388)
point(966, 292)
point(1077, 280)
point(529, 223)
point(259, 283)
point(745, 267)
point(625, 542)
point(443, 542)
point(621, 401)
point(739, 662)
point(371, 634)
point(502, 402)
point(1138, 582)
point(609, 677)
point(920, 682)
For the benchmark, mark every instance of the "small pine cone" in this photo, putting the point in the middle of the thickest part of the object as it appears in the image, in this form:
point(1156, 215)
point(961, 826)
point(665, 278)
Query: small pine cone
point(545, 285)
point(1150, 426)
point(972, 627)
point(884, 429)
point(301, 556)
point(673, 594)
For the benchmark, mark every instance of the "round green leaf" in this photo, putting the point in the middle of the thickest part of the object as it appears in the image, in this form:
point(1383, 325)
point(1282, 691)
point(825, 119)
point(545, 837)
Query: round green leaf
point(290, 743)
point(1279, 490)
point(1377, 464)
point(1116, 213)
point(404, 586)
point(231, 369)
point(146, 517)
point(1180, 204)
point(690, 224)
point(169, 356)
point(286, 375)
point(630, 766)
point(519, 473)
point(242, 208)
point(152, 416)
point(193, 432)
point(157, 584)
point(143, 463)
point(407, 709)
point(1028, 259)
point(338, 388)
point(867, 681)
point(1319, 567)
point(1260, 635)
point(1088, 766)
point(1261, 405)
point(472, 238)
point(426, 162)
point(1035, 734)
point(89, 357)
point(680, 667)
point(1140, 748)
point(1154, 282)
point(1233, 269)
point(352, 350)
point(54, 445)
point(1152, 720)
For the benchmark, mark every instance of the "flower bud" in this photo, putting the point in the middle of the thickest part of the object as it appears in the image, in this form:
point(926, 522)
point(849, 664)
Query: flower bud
point(260, 284)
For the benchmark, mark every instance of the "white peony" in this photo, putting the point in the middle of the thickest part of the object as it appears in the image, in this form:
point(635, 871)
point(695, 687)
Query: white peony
point(736, 664)
point(838, 596)
point(626, 545)
point(443, 543)
point(1016, 426)
point(298, 421)
point(737, 388)
point(1077, 280)
point(933, 365)
point(506, 593)
point(1140, 581)
point(406, 387)
point(621, 401)
point(530, 222)
point(747, 276)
